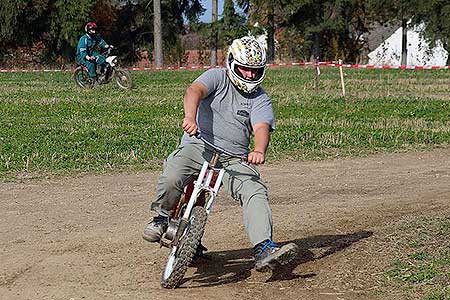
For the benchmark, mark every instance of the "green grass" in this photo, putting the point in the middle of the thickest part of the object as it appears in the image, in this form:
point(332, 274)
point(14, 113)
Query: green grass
point(422, 265)
point(49, 127)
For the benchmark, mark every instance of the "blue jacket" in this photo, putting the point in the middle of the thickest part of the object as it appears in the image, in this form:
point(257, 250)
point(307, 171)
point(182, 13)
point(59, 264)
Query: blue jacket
point(87, 45)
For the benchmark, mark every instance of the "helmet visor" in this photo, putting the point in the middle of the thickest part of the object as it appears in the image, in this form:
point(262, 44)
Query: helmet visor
point(249, 74)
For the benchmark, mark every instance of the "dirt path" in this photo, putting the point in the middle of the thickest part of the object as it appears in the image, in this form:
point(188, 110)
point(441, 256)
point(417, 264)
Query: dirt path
point(80, 238)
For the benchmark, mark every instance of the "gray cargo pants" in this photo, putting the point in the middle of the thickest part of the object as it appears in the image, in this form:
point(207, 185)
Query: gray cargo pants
point(241, 181)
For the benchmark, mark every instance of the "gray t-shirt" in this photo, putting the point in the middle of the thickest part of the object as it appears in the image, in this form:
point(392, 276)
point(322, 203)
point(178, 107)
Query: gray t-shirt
point(225, 117)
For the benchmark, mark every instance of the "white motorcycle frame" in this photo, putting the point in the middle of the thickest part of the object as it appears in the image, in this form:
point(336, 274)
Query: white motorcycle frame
point(204, 179)
point(203, 184)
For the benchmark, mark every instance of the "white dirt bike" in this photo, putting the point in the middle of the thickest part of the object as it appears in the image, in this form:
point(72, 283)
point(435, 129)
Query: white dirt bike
point(187, 222)
point(112, 71)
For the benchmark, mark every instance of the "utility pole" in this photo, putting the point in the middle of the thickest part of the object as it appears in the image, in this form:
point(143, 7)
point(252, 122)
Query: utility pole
point(214, 33)
point(271, 31)
point(157, 34)
point(404, 42)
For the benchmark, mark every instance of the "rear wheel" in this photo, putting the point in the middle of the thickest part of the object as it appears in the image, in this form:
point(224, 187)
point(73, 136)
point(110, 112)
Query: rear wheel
point(123, 79)
point(81, 77)
point(181, 256)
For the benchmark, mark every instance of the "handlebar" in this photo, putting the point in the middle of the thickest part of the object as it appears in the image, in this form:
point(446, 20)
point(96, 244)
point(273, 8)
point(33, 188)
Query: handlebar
point(219, 149)
point(106, 51)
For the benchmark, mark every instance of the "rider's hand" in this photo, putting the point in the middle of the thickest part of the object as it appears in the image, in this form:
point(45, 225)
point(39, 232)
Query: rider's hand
point(190, 125)
point(91, 58)
point(256, 158)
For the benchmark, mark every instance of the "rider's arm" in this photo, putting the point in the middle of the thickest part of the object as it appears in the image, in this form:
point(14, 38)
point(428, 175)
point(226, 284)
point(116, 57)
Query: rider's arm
point(261, 132)
point(102, 43)
point(82, 48)
point(194, 93)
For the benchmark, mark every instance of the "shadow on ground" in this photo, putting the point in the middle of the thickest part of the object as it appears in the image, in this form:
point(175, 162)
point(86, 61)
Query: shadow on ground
point(225, 267)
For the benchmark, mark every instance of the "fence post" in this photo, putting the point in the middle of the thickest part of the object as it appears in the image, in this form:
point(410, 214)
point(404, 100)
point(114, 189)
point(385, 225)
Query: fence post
point(342, 78)
point(317, 73)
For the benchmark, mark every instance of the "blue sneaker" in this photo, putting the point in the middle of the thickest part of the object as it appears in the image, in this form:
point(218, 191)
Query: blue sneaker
point(269, 256)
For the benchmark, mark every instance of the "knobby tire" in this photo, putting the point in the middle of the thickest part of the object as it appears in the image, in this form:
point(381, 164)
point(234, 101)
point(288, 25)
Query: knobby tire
point(187, 248)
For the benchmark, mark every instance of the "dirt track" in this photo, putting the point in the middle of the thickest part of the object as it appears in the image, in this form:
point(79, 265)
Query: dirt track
point(80, 238)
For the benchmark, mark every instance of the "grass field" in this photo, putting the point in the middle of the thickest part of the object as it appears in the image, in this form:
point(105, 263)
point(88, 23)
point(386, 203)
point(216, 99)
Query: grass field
point(422, 262)
point(50, 127)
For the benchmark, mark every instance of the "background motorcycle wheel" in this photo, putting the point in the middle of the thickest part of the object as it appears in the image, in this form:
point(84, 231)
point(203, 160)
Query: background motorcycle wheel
point(81, 78)
point(123, 79)
point(180, 257)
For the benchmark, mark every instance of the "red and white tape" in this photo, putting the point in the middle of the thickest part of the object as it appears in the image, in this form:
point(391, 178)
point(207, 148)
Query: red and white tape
point(174, 68)
point(196, 67)
point(357, 66)
point(30, 70)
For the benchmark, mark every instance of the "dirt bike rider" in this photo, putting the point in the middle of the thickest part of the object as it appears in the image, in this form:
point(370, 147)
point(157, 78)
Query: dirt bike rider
point(227, 106)
point(86, 51)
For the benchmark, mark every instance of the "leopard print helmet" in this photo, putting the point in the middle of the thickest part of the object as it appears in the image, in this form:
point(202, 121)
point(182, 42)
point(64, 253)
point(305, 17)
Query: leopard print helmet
point(249, 53)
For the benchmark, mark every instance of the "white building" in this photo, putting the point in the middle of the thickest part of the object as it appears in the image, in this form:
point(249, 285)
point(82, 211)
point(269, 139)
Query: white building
point(419, 53)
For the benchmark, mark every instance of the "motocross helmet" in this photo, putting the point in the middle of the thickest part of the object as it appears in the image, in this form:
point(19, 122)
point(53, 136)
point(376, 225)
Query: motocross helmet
point(246, 52)
point(91, 29)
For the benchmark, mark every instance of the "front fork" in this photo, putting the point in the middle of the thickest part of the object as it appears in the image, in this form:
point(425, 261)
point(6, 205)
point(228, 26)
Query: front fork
point(107, 75)
point(207, 185)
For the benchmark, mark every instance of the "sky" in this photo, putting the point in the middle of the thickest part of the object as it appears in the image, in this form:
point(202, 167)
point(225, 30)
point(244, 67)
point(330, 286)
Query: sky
point(206, 17)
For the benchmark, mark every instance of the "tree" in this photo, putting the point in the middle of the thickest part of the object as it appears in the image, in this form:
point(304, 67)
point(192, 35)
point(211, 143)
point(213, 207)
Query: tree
point(267, 14)
point(22, 21)
point(134, 30)
point(57, 23)
point(395, 11)
point(435, 15)
point(67, 20)
point(332, 29)
point(175, 13)
point(232, 25)
point(60, 23)
point(10, 11)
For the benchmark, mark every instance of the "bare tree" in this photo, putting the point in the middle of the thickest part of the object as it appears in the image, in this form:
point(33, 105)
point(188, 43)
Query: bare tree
point(157, 36)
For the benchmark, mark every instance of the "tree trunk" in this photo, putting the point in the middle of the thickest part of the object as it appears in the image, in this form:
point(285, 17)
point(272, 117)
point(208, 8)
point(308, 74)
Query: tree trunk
point(316, 47)
point(271, 32)
point(214, 33)
point(445, 45)
point(157, 34)
point(404, 42)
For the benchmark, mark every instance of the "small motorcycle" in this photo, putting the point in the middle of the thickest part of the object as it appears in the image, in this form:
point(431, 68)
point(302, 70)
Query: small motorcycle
point(187, 222)
point(120, 76)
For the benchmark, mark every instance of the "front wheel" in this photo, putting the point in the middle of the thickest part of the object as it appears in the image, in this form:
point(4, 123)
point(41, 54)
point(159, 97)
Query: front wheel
point(123, 79)
point(181, 256)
